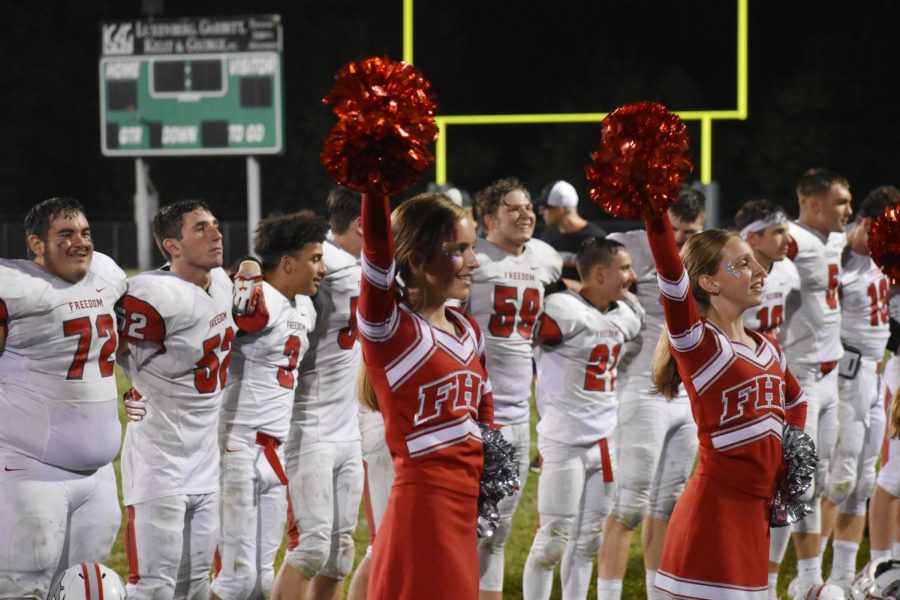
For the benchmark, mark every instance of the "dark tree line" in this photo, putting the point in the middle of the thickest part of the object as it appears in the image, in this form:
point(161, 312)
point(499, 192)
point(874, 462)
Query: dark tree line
point(823, 89)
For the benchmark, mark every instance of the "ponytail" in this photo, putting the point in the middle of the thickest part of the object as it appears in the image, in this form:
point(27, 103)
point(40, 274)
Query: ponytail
point(663, 370)
point(365, 390)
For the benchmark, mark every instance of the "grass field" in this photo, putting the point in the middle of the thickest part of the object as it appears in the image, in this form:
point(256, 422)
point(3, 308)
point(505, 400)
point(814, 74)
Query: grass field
point(518, 543)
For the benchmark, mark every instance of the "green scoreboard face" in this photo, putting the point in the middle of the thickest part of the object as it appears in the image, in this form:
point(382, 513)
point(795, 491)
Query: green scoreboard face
point(189, 103)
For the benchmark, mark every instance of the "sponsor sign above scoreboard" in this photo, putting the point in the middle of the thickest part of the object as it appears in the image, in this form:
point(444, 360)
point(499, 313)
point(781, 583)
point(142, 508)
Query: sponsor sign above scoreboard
point(192, 86)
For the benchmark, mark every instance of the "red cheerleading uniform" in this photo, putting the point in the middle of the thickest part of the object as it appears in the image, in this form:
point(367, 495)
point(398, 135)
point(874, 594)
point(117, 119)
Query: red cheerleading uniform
point(432, 389)
point(717, 544)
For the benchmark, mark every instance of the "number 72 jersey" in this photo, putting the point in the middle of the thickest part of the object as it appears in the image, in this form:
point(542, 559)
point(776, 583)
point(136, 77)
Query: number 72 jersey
point(179, 347)
point(506, 299)
point(58, 396)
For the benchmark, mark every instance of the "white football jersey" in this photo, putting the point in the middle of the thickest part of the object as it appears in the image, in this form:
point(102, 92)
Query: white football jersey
point(506, 300)
point(864, 305)
point(58, 396)
point(179, 346)
point(576, 366)
point(638, 354)
point(780, 282)
point(263, 375)
point(325, 406)
point(812, 329)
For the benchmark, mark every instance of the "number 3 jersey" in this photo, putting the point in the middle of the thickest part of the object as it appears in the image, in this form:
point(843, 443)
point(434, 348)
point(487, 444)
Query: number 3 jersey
point(179, 346)
point(506, 300)
point(58, 396)
point(812, 330)
point(262, 375)
point(576, 364)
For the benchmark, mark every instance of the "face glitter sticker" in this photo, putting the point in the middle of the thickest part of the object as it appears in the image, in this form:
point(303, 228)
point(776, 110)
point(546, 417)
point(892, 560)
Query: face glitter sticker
point(729, 268)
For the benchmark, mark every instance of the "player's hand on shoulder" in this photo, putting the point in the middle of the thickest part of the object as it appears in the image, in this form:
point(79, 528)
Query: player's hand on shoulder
point(248, 301)
point(135, 405)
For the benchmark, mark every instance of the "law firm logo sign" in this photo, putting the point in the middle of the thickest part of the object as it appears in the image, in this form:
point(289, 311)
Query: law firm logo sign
point(118, 38)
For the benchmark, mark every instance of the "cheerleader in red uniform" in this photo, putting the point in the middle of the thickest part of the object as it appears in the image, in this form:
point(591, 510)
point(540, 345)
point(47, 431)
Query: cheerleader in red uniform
point(741, 395)
point(424, 363)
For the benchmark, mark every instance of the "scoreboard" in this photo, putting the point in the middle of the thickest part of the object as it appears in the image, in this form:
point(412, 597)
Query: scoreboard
point(198, 86)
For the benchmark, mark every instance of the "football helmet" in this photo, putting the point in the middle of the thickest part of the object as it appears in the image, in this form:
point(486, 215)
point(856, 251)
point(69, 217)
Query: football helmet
point(879, 580)
point(824, 591)
point(87, 581)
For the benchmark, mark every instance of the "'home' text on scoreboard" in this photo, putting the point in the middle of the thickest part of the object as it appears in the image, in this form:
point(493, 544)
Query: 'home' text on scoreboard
point(192, 86)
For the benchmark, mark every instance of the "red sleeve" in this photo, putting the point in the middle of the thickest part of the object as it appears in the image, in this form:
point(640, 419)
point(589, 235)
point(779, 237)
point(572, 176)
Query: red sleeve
point(682, 316)
point(547, 332)
point(139, 322)
point(793, 249)
point(377, 304)
point(794, 401)
point(4, 323)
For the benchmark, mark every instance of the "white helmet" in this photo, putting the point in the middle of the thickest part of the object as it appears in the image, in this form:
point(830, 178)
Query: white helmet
point(879, 580)
point(824, 591)
point(87, 581)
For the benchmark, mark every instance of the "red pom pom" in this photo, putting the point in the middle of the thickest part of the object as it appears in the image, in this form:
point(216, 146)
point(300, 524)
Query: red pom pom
point(884, 242)
point(385, 125)
point(642, 160)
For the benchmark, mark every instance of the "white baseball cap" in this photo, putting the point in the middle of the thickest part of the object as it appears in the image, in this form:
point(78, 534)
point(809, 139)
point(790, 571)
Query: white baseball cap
point(563, 194)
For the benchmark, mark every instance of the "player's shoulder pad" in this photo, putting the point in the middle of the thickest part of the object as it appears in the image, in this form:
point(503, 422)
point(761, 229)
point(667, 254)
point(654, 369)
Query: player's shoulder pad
point(336, 258)
point(21, 280)
point(629, 315)
point(164, 291)
point(549, 257)
point(105, 268)
point(565, 307)
point(221, 280)
point(306, 311)
point(486, 251)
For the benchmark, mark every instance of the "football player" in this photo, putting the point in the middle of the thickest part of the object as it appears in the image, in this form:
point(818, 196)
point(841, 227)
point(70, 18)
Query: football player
point(60, 427)
point(507, 298)
point(581, 335)
point(811, 342)
point(861, 416)
point(323, 453)
point(656, 440)
point(764, 226)
point(177, 323)
point(258, 398)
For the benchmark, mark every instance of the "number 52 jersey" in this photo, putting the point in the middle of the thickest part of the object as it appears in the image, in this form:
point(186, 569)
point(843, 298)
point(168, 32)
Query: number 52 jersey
point(179, 340)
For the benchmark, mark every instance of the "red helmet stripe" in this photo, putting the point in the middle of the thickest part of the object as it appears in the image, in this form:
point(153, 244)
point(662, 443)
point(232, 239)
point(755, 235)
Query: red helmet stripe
point(87, 582)
point(99, 582)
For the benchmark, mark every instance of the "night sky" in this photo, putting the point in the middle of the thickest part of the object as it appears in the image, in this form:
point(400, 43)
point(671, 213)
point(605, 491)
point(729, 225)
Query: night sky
point(823, 89)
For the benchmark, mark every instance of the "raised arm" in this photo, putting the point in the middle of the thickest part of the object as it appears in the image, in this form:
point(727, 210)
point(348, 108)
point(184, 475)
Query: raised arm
point(377, 308)
point(682, 316)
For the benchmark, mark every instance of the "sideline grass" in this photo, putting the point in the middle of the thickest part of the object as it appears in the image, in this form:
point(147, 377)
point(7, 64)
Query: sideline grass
point(517, 546)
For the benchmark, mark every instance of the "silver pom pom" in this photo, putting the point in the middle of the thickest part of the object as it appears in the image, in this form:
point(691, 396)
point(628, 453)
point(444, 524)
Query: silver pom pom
point(800, 458)
point(499, 479)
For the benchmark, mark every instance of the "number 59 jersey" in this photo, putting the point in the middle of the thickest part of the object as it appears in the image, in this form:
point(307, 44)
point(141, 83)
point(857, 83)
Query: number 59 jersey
point(780, 282)
point(57, 386)
point(576, 362)
point(179, 340)
point(506, 299)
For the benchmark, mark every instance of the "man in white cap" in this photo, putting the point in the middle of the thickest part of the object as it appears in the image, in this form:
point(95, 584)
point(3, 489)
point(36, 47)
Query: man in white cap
point(566, 229)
